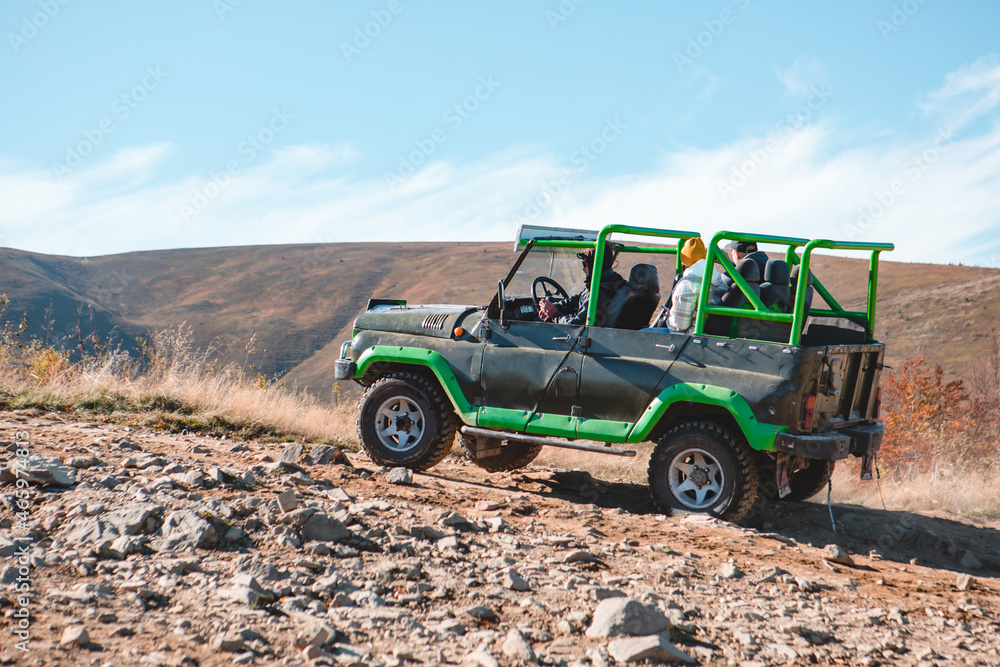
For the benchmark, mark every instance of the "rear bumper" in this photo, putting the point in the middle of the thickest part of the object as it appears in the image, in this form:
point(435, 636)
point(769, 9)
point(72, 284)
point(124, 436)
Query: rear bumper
point(831, 446)
point(861, 440)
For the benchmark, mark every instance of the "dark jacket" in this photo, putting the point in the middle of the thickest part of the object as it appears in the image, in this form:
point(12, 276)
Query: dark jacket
point(573, 309)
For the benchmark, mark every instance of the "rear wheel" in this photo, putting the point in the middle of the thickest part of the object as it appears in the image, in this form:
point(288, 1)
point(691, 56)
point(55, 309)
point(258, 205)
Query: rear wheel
point(702, 467)
point(804, 482)
point(512, 454)
point(405, 420)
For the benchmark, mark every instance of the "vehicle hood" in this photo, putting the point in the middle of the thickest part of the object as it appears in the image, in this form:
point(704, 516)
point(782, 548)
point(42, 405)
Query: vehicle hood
point(433, 320)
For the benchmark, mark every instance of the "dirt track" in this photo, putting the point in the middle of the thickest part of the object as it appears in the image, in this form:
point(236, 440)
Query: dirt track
point(409, 581)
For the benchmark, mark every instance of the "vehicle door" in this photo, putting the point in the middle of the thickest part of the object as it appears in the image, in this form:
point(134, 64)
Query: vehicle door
point(531, 369)
point(623, 369)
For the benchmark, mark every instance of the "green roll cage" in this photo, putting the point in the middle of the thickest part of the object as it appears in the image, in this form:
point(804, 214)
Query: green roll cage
point(715, 254)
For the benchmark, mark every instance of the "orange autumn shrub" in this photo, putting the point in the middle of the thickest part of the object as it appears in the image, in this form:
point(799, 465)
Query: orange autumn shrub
point(931, 421)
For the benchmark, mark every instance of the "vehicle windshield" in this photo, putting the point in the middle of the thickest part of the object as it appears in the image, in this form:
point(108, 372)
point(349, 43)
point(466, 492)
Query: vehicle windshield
point(560, 264)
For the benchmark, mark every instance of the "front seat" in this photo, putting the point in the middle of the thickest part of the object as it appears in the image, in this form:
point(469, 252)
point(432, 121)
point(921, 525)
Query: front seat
point(633, 306)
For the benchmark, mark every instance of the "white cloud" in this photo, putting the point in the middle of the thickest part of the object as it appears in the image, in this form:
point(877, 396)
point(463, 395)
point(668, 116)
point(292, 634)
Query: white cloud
point(797, 180)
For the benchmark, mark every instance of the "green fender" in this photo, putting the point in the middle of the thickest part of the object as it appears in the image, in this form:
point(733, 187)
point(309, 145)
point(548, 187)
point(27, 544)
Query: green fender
point(760, 436)
point(418, 357)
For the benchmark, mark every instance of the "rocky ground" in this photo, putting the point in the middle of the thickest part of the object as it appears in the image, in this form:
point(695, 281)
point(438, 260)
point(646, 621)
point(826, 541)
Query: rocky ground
point(140, 548)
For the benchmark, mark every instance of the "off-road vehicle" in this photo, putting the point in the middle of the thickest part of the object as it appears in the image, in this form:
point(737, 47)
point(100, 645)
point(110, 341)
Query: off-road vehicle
point(768, 392)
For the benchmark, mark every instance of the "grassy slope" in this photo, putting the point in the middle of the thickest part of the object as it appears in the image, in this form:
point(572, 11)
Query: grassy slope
point(299, 301)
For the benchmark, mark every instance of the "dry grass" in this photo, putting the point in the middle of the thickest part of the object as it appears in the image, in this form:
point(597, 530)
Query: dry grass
point(175, 387)
point(944, 488)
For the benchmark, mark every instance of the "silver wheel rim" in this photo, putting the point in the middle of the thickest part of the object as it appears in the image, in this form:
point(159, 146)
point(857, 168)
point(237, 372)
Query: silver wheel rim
point(399, 423)
point(696, 479)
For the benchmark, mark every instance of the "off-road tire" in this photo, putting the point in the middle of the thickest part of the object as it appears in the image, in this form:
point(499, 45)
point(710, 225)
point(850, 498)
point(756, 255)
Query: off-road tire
point(804, 483)
point(512, 456)
point(437, 421)
point(734, 479)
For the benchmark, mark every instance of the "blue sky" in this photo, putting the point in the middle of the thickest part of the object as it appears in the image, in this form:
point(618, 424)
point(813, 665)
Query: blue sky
point(136, 126)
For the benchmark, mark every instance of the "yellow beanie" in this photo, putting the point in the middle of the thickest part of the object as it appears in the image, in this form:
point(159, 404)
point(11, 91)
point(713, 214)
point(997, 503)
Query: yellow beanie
point(693, 250)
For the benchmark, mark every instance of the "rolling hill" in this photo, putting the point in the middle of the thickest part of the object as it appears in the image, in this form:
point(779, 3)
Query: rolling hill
point(286, 309)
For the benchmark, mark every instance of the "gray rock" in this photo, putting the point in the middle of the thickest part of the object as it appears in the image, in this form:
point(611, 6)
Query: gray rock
point(516, 647)
point(626, 616)
point(88, 530)
point(401, 476)
point(320, 454)
point(515, 582)
point(296, 518)
point(655, 648)
point(963, 582)
point(244, 588)
point(322, 527)
point(8, 575)
point(287, 501)
point(482, 658)
point(837, 554)
point(74, 635)
point(482, 614)
point(230, 643)
point(194, 478)
point(730, 571)
point(84, 461)
point(130, 521)
point(125, 546)
point(291, 452)
point(44, 471)
point(183, 530)
point(971, 561)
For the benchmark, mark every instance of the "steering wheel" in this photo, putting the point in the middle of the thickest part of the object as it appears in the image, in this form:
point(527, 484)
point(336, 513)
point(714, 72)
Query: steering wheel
point(557, 289)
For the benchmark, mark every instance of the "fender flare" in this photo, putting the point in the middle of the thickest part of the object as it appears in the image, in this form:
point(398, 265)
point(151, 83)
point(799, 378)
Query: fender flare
point(760, 436)
point(429, 359)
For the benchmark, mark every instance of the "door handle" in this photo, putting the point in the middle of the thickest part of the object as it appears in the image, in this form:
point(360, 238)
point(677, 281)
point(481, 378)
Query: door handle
point(562, 338)
point(668, 348)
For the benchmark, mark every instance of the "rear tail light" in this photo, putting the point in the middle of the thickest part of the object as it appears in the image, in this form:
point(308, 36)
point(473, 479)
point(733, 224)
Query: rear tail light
point(878, 403)
point(808, 411)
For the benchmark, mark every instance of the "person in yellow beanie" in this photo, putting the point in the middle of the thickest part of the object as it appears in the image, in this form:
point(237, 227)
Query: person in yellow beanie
point(683, 301)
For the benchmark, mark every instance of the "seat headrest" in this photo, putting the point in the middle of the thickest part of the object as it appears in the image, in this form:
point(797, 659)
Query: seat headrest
point(644, 278)
point(776, 272)
point(749, 269)
point(795, 275)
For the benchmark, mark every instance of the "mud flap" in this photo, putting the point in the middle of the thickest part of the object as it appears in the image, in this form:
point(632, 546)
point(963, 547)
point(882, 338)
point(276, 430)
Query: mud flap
point(783, 474)
point(867, 461)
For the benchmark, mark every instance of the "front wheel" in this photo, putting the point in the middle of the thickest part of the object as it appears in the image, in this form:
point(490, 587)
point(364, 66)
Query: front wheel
point(701, 467)
point(405, 420)
point(512, 455)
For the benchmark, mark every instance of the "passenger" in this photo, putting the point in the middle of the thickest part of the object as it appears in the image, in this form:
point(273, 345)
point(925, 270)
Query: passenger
point(573, 309)
point(684, 298)
point(742, 249)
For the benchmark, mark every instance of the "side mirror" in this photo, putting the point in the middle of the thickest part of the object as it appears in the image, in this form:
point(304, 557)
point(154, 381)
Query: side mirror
point(501, 302)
